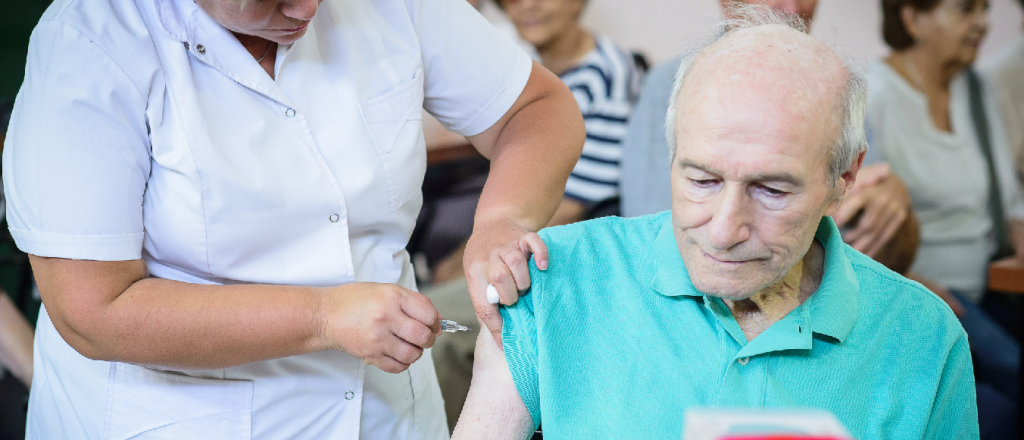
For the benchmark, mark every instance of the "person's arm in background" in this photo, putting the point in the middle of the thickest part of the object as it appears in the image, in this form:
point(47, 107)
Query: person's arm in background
point(1017, 235)
point(15, 341)
point(1014, 208)
point(532, 149)
point(494, 410)
point(876, 209)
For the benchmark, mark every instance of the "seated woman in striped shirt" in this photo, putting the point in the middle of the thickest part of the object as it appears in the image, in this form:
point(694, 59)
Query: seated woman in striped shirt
point(604, 80)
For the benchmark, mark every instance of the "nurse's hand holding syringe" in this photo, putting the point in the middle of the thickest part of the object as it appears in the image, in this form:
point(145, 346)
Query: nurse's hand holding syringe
point(384, 325)
point(187, 326)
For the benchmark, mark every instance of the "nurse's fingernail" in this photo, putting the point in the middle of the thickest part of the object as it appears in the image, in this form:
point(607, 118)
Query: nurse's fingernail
point(542, 265)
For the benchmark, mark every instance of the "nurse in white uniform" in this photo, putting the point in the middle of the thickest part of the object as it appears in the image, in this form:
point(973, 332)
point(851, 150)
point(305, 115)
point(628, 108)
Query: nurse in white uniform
point(217, 195)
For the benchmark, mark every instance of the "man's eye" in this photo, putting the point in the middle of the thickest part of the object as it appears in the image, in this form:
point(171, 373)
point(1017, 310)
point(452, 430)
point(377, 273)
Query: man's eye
point(703, 183)
point(772, 191)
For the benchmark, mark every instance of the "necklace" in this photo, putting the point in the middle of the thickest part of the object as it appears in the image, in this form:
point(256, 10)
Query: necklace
point(260, 59)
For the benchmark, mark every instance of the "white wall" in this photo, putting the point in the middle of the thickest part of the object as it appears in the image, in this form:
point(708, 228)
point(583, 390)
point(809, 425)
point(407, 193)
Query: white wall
point(662, 28)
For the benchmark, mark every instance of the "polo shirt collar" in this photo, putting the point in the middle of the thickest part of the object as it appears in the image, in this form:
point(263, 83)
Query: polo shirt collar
point(833, 307)
point(831, 311)
point(671, 277)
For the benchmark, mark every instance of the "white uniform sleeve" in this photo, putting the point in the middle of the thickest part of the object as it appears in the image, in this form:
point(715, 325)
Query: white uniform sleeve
point(473, 72)
point(76, 159)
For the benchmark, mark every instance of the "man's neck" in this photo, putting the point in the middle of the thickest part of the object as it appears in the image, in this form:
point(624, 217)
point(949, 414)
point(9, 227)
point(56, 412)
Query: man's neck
point(771, 304)
point(565, 50)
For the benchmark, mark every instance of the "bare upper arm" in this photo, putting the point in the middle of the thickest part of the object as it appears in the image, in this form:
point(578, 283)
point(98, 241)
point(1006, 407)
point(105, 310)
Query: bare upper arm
point(542, 84)
point(77, 292)
point(493, 410)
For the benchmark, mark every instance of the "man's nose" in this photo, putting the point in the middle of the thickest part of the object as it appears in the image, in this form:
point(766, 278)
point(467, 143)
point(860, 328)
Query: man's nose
point(300, 9)
point(730, 221)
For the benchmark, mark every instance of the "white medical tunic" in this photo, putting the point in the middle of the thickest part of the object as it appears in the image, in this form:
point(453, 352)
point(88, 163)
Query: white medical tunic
point(145, 130)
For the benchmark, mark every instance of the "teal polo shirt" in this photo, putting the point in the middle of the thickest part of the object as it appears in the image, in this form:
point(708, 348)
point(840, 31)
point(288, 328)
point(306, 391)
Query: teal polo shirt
point(614, 341)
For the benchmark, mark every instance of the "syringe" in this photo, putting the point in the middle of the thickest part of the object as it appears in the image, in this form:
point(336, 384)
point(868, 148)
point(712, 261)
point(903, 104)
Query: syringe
point(452, 327)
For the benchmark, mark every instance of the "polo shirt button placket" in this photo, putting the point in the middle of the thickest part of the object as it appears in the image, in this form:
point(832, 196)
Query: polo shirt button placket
point(743, 361)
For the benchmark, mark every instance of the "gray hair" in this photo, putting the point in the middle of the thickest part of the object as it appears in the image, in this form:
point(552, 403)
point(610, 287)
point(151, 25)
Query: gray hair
point(851, 141)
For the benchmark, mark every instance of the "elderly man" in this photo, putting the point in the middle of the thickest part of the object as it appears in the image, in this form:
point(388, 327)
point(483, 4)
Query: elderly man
point(875, 219)
point(744, 295)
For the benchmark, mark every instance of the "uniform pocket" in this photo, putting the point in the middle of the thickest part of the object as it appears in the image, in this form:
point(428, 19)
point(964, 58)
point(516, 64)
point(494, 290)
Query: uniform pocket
point(147, 404)
point(395, 123)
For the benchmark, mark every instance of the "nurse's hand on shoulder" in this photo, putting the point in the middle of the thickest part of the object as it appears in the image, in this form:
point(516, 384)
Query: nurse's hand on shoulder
point(498, 254)
point(384, 325)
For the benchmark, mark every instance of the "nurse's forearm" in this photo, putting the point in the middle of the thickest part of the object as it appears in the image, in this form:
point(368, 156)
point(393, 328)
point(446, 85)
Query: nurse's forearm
point(110, 311)
point(532, 150)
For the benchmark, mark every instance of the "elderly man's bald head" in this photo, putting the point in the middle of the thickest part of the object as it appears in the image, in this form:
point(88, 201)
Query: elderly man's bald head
point(764, 62)
point(770, 128)
point(792, 79)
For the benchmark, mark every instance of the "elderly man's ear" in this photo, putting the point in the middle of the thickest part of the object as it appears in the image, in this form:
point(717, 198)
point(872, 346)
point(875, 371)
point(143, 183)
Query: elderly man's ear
point(845, 184)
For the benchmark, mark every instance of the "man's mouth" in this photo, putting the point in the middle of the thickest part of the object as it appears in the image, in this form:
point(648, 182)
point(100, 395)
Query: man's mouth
point(725, 261)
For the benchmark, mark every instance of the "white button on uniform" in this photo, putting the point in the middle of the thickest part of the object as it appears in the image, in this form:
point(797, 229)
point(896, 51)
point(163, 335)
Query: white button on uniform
point(290, 113)
point(335, 218)
point(744, 361)
point(349, 395)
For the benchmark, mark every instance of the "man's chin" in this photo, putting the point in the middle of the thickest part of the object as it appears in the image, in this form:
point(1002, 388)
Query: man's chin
point(729, 292)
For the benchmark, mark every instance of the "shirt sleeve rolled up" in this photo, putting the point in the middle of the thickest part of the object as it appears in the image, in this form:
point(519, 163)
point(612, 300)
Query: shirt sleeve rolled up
point(519, 340)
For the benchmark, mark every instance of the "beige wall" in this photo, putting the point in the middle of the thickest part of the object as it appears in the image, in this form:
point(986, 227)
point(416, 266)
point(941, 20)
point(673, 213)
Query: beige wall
point(662, 28)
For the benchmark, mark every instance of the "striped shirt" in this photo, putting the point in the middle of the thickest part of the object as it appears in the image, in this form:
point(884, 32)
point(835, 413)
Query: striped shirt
point(606, 84)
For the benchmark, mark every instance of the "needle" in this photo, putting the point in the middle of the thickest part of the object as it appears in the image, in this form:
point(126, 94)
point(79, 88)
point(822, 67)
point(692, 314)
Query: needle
point(453, 327)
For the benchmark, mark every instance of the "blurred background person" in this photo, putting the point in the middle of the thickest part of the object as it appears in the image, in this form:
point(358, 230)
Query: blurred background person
point(875, 218)
point(930, 118)
point(1004, 72)
point(605, 81)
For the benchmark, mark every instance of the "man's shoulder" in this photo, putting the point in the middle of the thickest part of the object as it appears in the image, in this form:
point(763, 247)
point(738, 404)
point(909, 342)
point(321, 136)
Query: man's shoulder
point(887, 296)
point(624, 235)
point(617, 250)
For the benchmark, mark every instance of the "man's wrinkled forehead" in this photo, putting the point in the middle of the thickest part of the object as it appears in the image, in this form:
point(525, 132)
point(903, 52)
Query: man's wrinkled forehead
point(774, 71)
